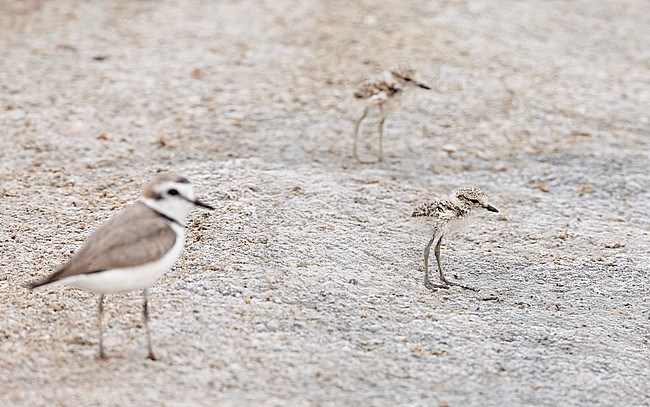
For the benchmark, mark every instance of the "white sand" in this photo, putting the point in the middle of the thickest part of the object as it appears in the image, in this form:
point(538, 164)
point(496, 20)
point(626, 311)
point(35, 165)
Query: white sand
point(305, 287)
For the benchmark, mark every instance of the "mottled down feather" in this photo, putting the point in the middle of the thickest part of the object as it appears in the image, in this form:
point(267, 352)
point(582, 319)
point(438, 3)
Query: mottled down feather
point(370, 88)
point(442, 210)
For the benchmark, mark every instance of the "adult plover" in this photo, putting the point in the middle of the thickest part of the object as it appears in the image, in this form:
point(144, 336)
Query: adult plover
point(134, 248)
point(447, 216)
point(384, 94)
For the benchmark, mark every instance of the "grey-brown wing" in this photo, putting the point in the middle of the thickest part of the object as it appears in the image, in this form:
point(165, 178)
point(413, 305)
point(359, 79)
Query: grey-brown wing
point(134, 236)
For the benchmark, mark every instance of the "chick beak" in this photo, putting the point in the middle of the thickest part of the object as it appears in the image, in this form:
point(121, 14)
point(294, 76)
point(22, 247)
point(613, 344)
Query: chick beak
point(423, 85)
point(491, 208)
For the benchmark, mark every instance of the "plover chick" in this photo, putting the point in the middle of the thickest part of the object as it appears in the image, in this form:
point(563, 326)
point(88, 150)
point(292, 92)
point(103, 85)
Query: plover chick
point(384, 95)
point(134, 248)
point(447, 216)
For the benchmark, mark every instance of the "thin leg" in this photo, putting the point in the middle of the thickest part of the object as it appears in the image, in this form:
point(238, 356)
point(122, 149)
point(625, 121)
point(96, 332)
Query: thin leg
point(442, 276)
point(381, 134)
point(145, 319)
point(427, 283)
point(357, 124)
point(100, 311)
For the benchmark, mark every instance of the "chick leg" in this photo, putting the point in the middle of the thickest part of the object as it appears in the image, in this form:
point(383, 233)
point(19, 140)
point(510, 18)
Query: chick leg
point(381, 135)
point(357, 125)
point(427, 283)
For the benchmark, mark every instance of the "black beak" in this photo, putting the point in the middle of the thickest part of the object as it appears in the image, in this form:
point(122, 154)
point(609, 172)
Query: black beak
point(202, 205)
point(423, 86)
point(491, 208)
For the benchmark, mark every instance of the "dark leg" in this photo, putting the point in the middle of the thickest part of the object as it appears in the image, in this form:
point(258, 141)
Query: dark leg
point(381, 137)
point(442, 276)
point(100, 311)
point(357, 124)
point(145, 319)
point(381, 134)
point(427, 283)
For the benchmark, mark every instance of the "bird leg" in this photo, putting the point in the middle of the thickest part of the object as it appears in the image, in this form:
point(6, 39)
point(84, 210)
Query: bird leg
point(357, 124)
point(100, 311)
point(145, 319)
point(427, 283)
point(381, 136)
point(442, 276)
point(381, 133)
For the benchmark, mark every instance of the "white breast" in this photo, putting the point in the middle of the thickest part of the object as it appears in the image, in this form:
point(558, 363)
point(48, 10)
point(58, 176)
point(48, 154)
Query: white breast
point(129, 278)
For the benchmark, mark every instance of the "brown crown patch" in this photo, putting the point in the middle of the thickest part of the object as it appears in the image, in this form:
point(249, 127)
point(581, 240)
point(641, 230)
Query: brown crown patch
point(148, 190)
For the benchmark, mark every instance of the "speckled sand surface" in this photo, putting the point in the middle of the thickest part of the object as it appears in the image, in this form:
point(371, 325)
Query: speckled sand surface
point(305, 286)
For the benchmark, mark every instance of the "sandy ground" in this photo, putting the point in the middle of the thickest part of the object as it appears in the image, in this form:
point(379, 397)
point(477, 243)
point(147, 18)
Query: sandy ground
point(305, 286)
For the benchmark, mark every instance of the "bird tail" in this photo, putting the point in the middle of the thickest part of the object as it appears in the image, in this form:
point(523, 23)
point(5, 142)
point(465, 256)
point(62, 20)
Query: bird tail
point(39, 283)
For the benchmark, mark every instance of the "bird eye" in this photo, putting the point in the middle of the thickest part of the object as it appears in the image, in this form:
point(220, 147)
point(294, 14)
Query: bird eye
point(475, 201)
point(172, 192)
